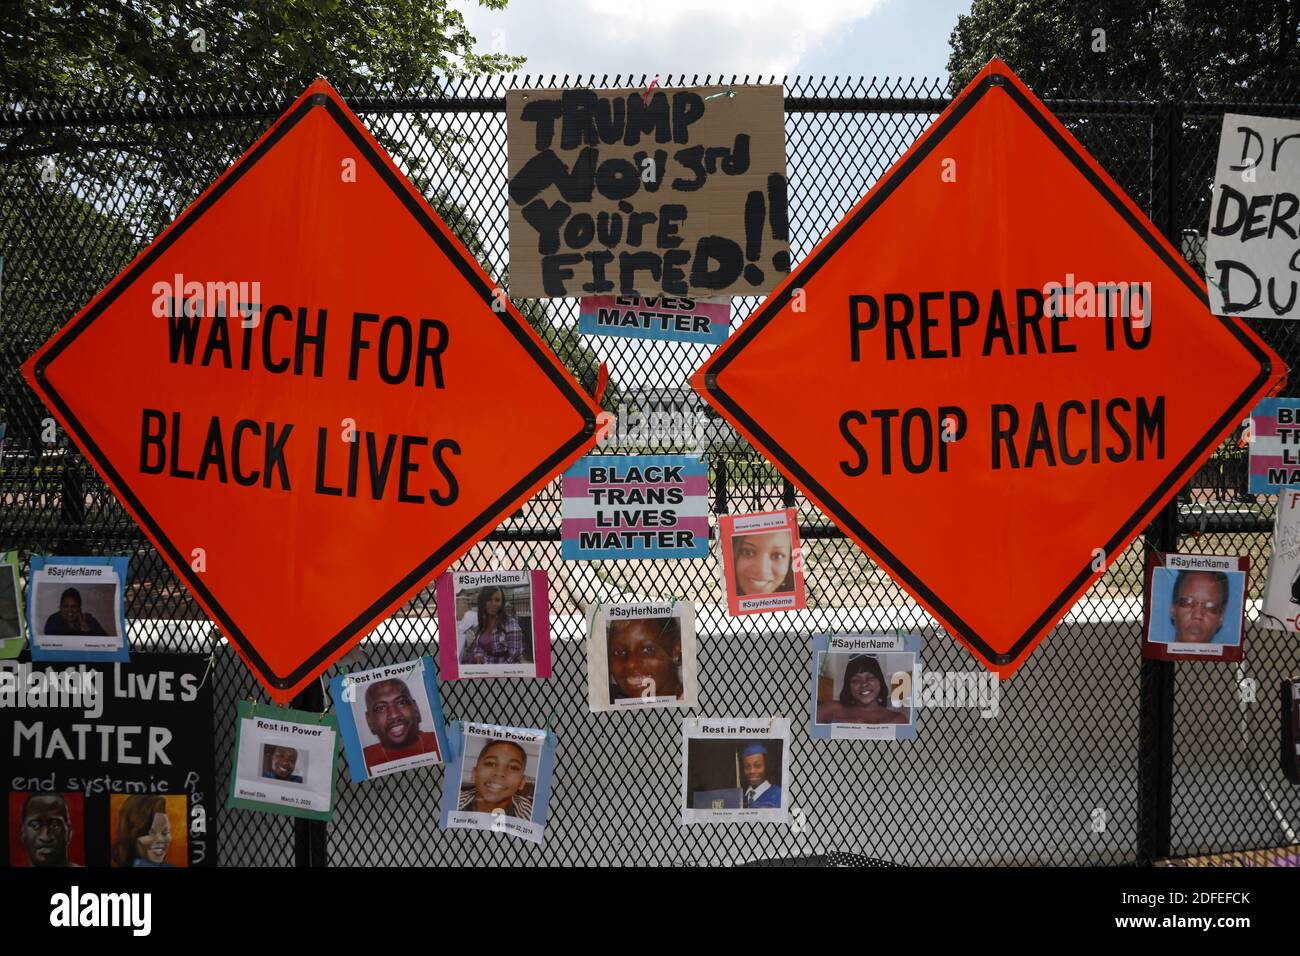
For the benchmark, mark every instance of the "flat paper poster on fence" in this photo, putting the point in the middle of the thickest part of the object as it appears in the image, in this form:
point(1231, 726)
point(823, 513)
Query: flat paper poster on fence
point(499, 780)
point(673, 318)
point(735, 770)
point(1273, 436)
point(1195, 607)
point(285, 762)
point(1281, 609)
point(76, 609)
point(865, 686)
point(675, 191)
point(762, 566)
point(635, 506)
point(1254, 232)
point(642, 654)
point(108, 764)
point(494, 624)
point(390, 718)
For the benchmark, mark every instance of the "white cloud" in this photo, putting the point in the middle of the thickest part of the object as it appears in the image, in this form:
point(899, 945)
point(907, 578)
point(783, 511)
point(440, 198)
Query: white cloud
point(745, 37)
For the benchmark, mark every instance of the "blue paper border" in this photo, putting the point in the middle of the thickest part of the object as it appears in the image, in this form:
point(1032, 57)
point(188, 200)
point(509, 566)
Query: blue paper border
point(456, 755)
point(120, 564)
point(352, 749)
point(696, 465)
point(821, 644)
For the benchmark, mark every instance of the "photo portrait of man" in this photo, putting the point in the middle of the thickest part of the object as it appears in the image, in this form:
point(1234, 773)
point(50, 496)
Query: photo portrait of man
point(70, 619)
point(393, 715)
point(279, 763)
point(759, 792)
point(45, 829)
point(498, 781)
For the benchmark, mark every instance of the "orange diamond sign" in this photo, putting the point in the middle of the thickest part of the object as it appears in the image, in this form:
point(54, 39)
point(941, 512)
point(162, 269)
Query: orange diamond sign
point(992, 373)
point(310, 395)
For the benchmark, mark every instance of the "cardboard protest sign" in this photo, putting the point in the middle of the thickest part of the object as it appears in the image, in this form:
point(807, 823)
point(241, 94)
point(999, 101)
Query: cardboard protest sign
point(12, 619)
point(671, 318)
point(390, 718)
point(635, 506)
point(499, 779)
point(494, 624)
point(678, 191)
point(865, 686)
point(75, 612)
point(1252, 249)
point(1273, 437)
point(108, 763)
point(1281, 608)
point(325, 400)
point(285, 761)
point(1195, 607)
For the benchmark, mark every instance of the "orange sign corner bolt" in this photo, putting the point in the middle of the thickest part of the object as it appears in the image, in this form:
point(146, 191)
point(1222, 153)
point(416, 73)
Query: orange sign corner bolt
point(992, 373)
point(310, 396)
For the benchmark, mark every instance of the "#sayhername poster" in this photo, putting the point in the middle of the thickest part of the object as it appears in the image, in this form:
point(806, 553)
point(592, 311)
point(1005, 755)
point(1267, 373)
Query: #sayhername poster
point(1195, 607)
point(665, 317)
point(642, 654)
point(390, 718)
point(75, 611)
point(494, 624)
point(635, 507)
point(865, 686)
point(761, 564)
point(1281, 607)
point(1252, 243)
point(675, 191)
point(735, 770)
point(499, 779)
point(284, 761)
point(11, 607)
point(1274, 444)
point(108, 764)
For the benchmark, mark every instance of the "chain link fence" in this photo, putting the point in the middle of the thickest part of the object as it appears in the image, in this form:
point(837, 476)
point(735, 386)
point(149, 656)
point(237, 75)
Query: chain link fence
point(1089, 755)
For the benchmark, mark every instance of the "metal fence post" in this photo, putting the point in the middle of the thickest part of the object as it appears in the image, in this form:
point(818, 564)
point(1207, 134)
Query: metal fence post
point(310, 836)
point(1156, 691)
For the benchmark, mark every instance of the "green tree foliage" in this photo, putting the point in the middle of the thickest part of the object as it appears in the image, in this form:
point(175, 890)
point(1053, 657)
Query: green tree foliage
point(1177, 48)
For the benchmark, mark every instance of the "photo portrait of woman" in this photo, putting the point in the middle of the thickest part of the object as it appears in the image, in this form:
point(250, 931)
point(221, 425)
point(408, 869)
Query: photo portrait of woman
point(144, 832)
point(1198, 608)
point(764, 563)
point(495, 637)
point(863, 698)
point(498, 780)
point(645, 658)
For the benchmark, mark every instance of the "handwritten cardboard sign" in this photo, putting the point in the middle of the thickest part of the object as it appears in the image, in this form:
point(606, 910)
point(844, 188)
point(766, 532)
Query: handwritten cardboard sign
point(681, 192)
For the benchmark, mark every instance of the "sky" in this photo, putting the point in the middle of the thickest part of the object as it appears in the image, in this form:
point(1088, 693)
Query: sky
point(896, 38)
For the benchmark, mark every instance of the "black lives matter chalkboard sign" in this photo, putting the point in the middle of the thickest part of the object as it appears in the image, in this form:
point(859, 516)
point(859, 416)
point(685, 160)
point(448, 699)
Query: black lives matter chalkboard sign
point(668, 191)
point(108, 764)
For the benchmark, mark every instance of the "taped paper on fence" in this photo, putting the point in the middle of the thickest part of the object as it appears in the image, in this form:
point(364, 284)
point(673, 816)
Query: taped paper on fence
point(285, 761)
point(390, 718)
point(635, 506)
point(865, 686)
point(642, 654)
point(499, 780)
point(76, 610)
point(494, 624)
point(672, 318)
point(1195, 607)
point(735, 770)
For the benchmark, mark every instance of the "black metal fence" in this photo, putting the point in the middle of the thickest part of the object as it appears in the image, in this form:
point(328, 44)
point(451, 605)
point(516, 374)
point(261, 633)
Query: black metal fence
point(1092, 755)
